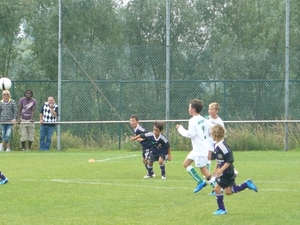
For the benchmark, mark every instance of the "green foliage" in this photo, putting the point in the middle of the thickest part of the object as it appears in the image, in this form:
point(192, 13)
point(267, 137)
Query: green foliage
point(64, 188)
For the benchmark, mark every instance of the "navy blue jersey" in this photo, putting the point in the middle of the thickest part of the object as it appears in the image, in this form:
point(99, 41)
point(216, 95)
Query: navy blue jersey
point(224, 155)
point(159, 145)
point(146, 144)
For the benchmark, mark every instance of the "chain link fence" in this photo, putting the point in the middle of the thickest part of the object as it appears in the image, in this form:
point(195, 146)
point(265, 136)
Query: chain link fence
point(109, 83)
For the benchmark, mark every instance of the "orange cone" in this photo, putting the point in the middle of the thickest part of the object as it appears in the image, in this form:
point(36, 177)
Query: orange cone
point(91, 160)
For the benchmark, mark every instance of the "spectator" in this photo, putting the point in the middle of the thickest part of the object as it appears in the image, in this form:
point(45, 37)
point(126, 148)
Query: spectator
point(48, 115)
point(8, 114)
point(27, 105)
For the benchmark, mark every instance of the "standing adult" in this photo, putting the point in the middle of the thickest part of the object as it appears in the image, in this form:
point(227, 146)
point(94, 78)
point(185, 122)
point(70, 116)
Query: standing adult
point(48, 115)
point(8, 114)
point(27, 105)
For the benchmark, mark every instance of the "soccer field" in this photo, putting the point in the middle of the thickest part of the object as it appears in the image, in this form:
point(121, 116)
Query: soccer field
point(64, 188)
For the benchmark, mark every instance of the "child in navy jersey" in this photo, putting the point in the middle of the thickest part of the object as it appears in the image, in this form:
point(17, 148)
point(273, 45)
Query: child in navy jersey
point(146, 145)
point(160, 149)
point(224, 171)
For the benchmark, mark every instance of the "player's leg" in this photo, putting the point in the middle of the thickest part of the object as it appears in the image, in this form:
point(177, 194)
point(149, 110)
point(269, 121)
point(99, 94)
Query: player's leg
point(4, 179)
point(190, 169)
point(162, 159)
point(247, 184)
point(220, 201)
point(152, 158)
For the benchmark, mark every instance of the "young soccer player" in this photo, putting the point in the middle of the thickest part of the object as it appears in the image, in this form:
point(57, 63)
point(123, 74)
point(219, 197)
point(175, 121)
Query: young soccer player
point(224, 171)
point(198, 132)
point(146, 145)
point(160, 149)
point(213, 118)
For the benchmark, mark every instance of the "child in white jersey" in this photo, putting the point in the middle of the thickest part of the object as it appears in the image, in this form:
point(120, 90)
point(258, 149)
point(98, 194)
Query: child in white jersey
point(198, 132)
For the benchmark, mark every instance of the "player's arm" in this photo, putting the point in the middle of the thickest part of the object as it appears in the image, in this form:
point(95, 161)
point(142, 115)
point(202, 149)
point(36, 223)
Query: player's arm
point(220, 171)
point(191, 132)
point(134, 138)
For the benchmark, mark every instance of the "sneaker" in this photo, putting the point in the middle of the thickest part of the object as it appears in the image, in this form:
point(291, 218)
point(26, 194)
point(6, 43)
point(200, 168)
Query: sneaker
point(1, 147)
point(5, 181)
point(213, 193)
point(251, 185)
point(220, 212)
point(148, 176)
point(163, 177)
point(200, 186)
point(8, 150)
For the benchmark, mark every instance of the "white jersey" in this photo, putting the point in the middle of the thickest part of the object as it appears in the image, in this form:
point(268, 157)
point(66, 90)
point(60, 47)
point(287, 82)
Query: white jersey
point(198, 132)
point(213, 122)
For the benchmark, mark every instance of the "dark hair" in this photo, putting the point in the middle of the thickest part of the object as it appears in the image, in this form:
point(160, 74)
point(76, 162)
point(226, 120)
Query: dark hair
point(134, 117)
point(197, 105)
point(28, 91)
point(159, 125)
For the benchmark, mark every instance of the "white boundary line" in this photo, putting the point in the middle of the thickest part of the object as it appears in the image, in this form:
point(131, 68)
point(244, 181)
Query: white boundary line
point(107, 183)
point(119, 157)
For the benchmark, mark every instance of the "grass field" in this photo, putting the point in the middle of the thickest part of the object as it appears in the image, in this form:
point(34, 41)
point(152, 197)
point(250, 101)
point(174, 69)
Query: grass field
point(64, 188)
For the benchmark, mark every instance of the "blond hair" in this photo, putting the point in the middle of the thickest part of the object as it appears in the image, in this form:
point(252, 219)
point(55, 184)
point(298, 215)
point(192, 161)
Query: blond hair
point(218, 131)
point(215, 105)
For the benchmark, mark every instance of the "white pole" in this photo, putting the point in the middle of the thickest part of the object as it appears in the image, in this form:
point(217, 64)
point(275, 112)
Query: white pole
point(167, 64)
point(59, 72)
point(287, 53)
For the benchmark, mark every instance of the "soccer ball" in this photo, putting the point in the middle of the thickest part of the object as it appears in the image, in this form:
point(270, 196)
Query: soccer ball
point(5, 83)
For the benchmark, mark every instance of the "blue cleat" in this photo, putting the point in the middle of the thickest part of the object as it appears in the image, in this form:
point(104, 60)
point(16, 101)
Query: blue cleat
point(200, 186)
point(213, 193)
point(4, 181)
point(220, 212)
point(251, 185)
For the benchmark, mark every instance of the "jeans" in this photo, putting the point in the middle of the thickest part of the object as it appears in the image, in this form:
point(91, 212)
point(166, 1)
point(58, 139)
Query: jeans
point(46, 132)
point(6, 132)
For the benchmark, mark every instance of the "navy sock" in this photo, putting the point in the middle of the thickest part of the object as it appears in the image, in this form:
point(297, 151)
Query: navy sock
point(150, 170)
point(220, 201)
point(238, 188)
point(163, 170)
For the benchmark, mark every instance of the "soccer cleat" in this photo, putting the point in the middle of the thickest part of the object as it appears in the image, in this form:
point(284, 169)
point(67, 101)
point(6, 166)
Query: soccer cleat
point(213, 193)
point(200, 186)
point(8, 150)
point(220, 212)
point(148, 176)
point(163, 177)
point(4, 181)
point(153, 175)
point(251, 185)
point(1, 147)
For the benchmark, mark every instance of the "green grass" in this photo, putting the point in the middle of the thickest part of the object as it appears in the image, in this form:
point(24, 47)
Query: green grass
point(64, 188)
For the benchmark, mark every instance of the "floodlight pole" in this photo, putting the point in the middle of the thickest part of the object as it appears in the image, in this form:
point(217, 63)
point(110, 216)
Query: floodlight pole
point(59, 72)
point(287, 52)
point(167, 65)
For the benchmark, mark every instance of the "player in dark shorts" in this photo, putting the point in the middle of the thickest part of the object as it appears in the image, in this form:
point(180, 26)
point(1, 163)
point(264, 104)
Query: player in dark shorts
point(146, 144)
point(224, 171)
point(160, 150)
